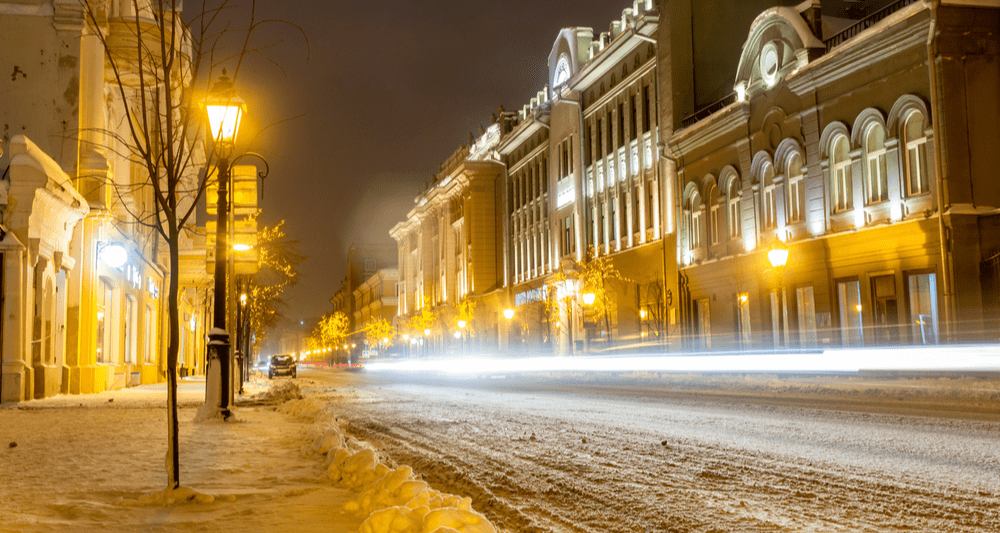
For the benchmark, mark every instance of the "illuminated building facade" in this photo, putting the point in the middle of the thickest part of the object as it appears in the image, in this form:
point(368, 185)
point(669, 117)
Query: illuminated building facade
point(84, 301)
point(450, 246)
point(867, 147)
point(584, 181)
point(377, 298)
point(863, 145)
point(364, 260)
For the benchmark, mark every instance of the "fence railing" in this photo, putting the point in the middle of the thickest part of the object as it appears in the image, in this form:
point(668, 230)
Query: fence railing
point(865, 23)
point(708, 110)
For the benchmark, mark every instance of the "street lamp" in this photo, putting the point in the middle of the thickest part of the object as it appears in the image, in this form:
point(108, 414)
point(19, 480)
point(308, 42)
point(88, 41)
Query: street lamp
point(777, 255)
point(225, 110)
point(589, 298)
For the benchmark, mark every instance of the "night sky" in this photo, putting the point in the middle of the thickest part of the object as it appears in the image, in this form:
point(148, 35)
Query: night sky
point(388, 90)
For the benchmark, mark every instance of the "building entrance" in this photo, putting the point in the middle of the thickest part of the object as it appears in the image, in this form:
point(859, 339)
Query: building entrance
point(884, 309)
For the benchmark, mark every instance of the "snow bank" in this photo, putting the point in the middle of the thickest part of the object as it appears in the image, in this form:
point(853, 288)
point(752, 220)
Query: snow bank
point(393, 500)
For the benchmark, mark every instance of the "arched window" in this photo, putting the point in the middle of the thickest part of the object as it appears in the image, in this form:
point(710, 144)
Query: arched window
point(876, 183)
point(840, 171)
point(714, 215)
point(734, 211)
point(915, 141)
point(695, 220)
point(768, 204)
point(796, 190)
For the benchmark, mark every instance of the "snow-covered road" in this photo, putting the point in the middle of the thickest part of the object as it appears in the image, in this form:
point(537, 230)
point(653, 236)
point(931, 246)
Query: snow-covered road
point(692, 454)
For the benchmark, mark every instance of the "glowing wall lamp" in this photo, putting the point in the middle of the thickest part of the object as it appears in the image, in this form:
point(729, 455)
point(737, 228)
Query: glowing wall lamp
point(589, 298)
point(112, 254)
point(778, 254)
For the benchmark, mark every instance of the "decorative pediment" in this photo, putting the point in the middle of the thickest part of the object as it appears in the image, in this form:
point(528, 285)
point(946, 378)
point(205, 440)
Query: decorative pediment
point(569, 53)
point(780, 42)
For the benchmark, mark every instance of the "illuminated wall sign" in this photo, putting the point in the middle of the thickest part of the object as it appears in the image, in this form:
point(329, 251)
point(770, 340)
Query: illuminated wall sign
point(133, 276)
point(566, 194)
point(534, 295)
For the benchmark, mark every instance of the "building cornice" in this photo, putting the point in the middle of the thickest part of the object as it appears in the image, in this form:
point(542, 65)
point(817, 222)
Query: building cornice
point(704, 132)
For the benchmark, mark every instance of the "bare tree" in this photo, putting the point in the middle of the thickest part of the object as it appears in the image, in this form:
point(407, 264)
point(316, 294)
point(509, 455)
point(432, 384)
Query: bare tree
point(159, 64)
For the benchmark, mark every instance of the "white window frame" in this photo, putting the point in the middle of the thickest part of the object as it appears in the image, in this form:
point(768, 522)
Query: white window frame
point(796, 193)
point(735, 208)
point(841, 172)
point(876, 181)
point(916, 148)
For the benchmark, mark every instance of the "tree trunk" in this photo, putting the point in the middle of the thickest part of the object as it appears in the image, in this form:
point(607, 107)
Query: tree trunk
point(173, 449)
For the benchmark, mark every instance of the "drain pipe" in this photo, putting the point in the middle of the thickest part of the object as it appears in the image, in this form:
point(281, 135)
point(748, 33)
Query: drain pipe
point(944, 233)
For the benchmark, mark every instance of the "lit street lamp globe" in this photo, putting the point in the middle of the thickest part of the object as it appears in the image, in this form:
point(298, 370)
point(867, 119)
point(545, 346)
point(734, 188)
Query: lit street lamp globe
point(588, 298)
point(778, 254)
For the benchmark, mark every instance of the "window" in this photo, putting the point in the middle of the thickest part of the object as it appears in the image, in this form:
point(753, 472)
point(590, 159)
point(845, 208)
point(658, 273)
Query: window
point(806, 305)
point(635, 159)
point(743, 314)
point(635, 207)
point(840, 166)
point(567, 235)
point(713, 223)
point(632, 123)
point(714, 215)
point(796, 191)
point(876, 184)
point(150, 335)
point(129, 329)
point(917, 174)
point(611, 139)
point(734, 212)
point(779, 318)
point(104, 320)
point(650, 191)
point(849, 296)
point(923, 308)
point(696, 221)
point(645, 108)
point(621, 124)
point(600, 140)
point(703, 319)
point(768, 199)
point(615, 228)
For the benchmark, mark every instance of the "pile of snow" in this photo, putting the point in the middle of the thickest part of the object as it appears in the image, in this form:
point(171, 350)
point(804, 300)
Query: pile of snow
point(288, 390)
point(393, 500)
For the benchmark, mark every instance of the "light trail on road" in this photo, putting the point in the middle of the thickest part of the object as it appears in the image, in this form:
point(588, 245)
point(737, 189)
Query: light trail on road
point(974, 358)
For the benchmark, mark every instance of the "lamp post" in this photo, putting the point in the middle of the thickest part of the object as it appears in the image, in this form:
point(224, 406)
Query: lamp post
point(777, 255)
point(241, 352)
point(224, 109)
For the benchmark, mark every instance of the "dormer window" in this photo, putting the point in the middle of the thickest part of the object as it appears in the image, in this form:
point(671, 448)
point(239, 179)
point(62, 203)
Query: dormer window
point(561, 73)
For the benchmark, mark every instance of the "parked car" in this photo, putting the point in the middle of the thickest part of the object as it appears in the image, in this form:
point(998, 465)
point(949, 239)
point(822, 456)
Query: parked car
point(282, 365)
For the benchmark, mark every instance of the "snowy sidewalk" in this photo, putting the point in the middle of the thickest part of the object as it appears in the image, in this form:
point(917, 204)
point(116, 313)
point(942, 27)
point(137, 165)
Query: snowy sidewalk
point(73, 463)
